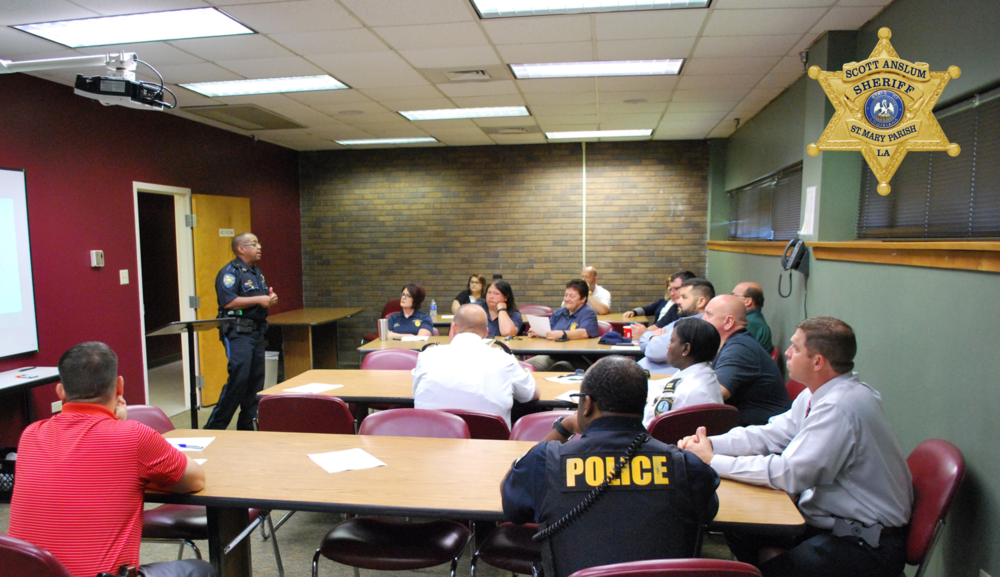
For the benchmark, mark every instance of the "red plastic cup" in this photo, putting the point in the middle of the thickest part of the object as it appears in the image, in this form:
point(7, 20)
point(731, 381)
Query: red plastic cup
point(627, 332)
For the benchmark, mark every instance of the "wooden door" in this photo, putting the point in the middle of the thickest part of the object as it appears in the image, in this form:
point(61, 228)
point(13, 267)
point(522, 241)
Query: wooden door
point(219, 218)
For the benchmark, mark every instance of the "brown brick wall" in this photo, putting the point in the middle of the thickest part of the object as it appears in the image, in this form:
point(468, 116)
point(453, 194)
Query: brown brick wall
point(374, 220)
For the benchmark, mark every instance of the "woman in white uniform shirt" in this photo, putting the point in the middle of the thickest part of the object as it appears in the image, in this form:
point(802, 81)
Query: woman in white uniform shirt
point(693, 346)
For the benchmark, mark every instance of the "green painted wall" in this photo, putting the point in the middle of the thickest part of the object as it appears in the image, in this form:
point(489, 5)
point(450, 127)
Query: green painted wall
point(926, 336)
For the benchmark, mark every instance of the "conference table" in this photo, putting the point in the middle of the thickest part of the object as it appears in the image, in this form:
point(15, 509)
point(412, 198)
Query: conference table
point(613, 318)
point(309, 337)
point(423, 477)
point(518, 346)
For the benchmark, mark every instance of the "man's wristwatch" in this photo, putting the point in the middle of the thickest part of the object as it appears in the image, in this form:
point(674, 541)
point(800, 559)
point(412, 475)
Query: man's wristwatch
point(558, 426)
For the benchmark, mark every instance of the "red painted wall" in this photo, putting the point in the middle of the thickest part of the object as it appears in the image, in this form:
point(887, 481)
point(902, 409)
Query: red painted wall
point(81, 159)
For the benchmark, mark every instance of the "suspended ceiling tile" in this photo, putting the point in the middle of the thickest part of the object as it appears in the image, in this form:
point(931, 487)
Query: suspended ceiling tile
point(492, 88)
point(247, 47)
point(630, 120)
point(369, 69)
point(864, 3)
point(488, 101)
point(737, 46)
point(703, 95)
point(506, 121)
point(566, 119)
point(678, 107)
point(589, 97)
point(637, 108)
point(299, 16)
point(759, 22)
point(330, 42)
point(262, 100)
point(203, 72)
point(465, 58)
point(550, 52)
point(365, 120)
point(456, 124)
point(367, 108)
point(728, 66)
point(538, 30)
point(619, 97)
point(424, 92)
point(550, 85)
point(449, 35)
point(188, 98)
point(331, 97)
point(753, 4)
point(776, 80)
point(804, 44)
point(34, 11)
point(339, 131)
point(466, 140)
point(570, 109)
point(791, 64)
point(403, 13)
point(518, 138)
point(722, 131)
point(637, 83)
point(735, 81)
point(115, 7)
point(650, 24)
point(273, 67)
point(644, 49)
point(554, 127)
point(303, 114)
point(671, 118)
point(430, 104)
point(846, 18)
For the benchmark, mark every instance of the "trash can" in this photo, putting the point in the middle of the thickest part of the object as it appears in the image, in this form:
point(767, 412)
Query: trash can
point(271, 368)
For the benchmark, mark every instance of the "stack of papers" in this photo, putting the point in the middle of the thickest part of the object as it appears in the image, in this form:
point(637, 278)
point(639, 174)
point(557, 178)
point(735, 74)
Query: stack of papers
point(349, 460)
point(312, 388)
point(540, 325)
point(566, 379)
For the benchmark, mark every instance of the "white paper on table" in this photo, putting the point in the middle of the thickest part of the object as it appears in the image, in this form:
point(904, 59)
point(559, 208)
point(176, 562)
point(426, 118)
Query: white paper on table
point(446, 317)
point(565, 379)
point(349, 460)
point(202, 442)
point(566, 396)
point(413, 339)
point(540, 325)
point(201, 461)
point(312, 388)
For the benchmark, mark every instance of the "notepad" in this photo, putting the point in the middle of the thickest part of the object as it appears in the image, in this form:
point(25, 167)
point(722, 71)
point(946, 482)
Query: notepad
point(312, 388)
point(349, 460)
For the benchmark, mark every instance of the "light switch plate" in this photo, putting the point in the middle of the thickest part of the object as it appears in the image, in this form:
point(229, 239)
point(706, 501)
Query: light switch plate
point(123, 274)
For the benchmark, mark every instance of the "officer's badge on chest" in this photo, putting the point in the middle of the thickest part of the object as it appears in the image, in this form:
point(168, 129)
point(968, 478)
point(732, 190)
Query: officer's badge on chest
point(248, 285)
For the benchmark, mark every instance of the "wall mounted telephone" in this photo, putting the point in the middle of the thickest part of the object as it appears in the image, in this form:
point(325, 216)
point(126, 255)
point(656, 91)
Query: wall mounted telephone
point(795, 257)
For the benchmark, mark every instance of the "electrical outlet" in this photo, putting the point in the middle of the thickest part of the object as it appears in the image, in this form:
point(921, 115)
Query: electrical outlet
point(123, 274)
point(56, 407)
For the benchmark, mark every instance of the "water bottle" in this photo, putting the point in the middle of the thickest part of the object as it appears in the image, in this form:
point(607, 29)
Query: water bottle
point(434, 309)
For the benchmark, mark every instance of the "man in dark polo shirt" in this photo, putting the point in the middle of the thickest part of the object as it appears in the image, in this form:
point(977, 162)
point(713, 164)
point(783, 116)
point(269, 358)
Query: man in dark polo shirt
point(750, 378)
point(753, 299)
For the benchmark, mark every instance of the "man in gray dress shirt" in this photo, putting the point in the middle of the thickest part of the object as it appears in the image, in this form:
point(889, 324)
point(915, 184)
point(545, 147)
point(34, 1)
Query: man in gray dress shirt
point(836, 451)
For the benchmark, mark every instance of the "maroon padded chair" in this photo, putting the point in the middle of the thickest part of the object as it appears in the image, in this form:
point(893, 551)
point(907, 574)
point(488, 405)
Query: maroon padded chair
point(603, 328)
point(537, 310)
point(393, 545)
point(673, 568)
point(304, 413)
point(937, 468)
point(483, 425)
point(390, 360)
point(794, 388)
point(536, 426)
point(415, 423)
point(673, 426)
point(30, 561)
point(390, 307)
point(186, 523)
point(509, 547)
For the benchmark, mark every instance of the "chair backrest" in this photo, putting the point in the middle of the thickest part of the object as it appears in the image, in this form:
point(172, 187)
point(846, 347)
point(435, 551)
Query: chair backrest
point(483, 425)
point(435, 332)
point(937, 468)
point(303, 413)
point(391, 307)
point(603, 328)
point(537, 310)
point(673, 568)
point(29, 560)
point(415, 423)
point(527, 366)
point(535, 426)
point(151, 416)
point(794, 388)
point(675, 425)
point(390, 360)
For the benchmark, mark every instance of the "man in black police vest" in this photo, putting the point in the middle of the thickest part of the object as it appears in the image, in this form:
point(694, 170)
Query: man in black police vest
point(653, 507)
point(243, 295)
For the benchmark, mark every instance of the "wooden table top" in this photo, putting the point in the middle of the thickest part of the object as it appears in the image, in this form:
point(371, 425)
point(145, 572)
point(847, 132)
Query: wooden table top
point(519, 346)
point(440, 478)
point(312, 316)
point(620, 318)
point(397, 386)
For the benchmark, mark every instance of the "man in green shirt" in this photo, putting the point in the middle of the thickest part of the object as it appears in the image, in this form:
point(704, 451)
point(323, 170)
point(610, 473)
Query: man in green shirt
point(753, 298)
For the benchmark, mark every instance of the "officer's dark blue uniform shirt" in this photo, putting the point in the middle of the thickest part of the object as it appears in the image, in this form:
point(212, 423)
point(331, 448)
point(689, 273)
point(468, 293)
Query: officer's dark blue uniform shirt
point(493, 326)
point(583, 318)
point(237, 279)
point(398, 323)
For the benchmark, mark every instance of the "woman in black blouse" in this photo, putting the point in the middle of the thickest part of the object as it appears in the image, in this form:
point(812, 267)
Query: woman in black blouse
point(475, 292)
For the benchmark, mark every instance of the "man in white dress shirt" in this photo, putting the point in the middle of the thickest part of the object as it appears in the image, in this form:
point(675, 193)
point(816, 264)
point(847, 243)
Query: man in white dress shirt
point(836, 451)
point(469, 374)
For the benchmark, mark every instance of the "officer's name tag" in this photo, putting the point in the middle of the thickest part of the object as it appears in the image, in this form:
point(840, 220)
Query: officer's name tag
point(584, 472)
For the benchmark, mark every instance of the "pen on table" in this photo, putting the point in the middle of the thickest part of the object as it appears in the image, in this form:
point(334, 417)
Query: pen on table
point(194, 447)
point(26, 369)
point(397, 338)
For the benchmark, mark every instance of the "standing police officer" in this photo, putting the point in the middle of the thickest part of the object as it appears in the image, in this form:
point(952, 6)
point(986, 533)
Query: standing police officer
point(243, 295)
point(653, 507)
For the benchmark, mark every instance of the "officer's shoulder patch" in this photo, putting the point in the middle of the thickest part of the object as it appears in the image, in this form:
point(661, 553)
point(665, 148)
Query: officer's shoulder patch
point(228, 280)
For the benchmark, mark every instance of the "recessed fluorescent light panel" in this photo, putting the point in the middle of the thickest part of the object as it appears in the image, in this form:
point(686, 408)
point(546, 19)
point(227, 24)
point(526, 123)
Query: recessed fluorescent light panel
point(511, 8)
point(266, 86)
point(415, 140)
point(148, 27)
point(605, 68)
point(453, 113)
point(598, 134)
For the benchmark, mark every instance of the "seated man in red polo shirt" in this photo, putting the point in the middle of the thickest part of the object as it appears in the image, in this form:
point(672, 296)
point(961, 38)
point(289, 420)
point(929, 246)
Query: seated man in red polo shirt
point(81, 475)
